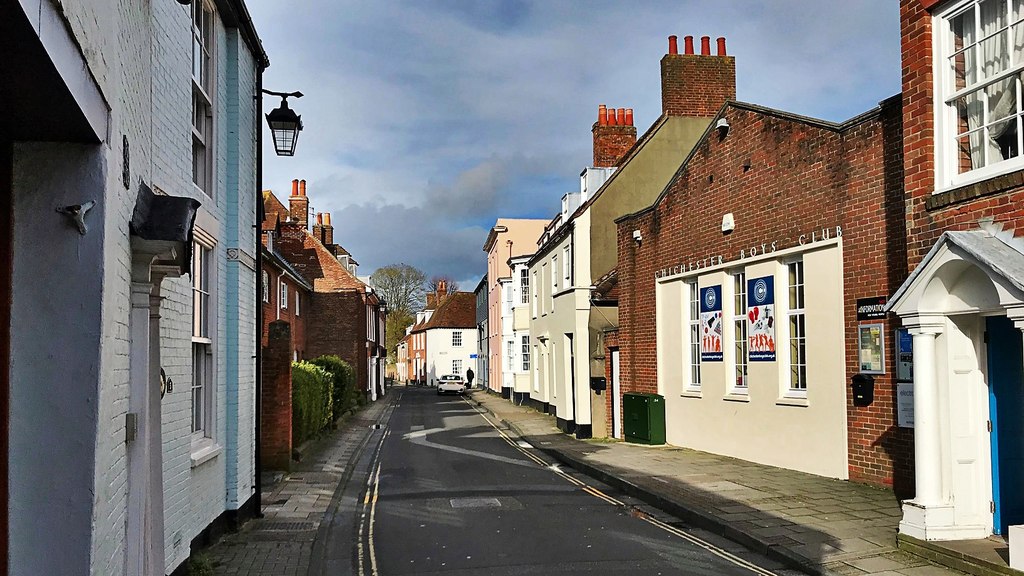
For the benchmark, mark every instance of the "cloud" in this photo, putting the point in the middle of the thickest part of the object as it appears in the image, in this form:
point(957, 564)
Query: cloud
point(442, 115)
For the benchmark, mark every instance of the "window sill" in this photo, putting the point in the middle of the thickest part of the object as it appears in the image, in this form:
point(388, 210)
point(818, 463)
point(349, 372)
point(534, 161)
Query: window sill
point(799, 401)
point(736, 397)
point(973, 190)
point(204, 450)
point(694, 393)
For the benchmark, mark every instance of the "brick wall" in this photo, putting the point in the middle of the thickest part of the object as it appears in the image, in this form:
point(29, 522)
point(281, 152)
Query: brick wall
point(338, 326)
point(614, 134)
point(276, 423)
point(781, 178)
point(273, 312)
point(697, 84)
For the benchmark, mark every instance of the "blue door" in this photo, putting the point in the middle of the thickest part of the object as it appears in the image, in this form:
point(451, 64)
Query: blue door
point(1006, 412)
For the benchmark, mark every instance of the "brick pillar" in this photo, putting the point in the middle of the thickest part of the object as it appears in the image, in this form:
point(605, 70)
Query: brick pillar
point(276, 419)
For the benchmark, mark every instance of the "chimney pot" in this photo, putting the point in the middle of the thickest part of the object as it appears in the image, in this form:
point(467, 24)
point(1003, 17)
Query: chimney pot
point(302, 187)
point(621, 116)
point(320, 218)
point(602, 115)
point(673, 46)
point(295, 187)
point(612, 121)
point(688, 44)
point(705, 45)
point(721, 46)
point(629, 116)
point(327, 218)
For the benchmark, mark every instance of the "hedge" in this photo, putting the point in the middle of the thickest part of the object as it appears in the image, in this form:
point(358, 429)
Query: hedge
point(346, 396)
point(312, 400)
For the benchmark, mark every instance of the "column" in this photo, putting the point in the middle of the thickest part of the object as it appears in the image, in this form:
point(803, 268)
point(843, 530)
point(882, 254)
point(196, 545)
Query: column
point(927, 435)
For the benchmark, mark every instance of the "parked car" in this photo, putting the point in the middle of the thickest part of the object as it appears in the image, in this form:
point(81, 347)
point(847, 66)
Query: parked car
point(451, 383)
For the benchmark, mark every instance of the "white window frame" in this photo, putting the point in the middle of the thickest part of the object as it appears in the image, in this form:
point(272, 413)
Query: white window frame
point(284, 294)
point(204, 326)
point(692, 340)
point(796, 330)
point(266, 287)
point(297, 296)
point(457, 339)
point(533, 291)
point(510, 353)
point(947, 154)
point(740, 382)
point(203, 76)
point(457, 366)
point(526, 353)
point(524, 285)
point(567, 258)
point(554, 274)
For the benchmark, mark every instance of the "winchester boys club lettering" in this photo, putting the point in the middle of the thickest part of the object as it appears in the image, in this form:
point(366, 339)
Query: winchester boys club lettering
point(751, 252)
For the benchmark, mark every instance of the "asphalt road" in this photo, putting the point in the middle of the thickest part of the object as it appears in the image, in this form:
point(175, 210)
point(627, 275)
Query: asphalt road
point(443, 489)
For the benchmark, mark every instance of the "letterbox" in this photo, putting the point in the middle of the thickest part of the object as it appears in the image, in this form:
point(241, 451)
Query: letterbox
point(863, 389)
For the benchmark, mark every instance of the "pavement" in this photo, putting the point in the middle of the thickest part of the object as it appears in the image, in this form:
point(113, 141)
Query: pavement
point(817, 525)
point(281, 542)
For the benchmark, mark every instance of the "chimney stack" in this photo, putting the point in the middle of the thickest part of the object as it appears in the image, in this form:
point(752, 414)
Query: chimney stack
point(318, 227)
point(328, 230)
point(298, 204)
point(696, 85)
point(614, 135)
point(442, 290)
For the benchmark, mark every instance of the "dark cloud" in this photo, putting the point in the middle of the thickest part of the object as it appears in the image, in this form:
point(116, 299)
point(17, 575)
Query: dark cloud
point(443, 115)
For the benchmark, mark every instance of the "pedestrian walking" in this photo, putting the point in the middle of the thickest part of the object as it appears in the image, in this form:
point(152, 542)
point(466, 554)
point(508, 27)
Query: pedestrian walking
point(469, 377)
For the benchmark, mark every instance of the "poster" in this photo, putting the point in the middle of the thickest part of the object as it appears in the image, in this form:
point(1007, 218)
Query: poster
point(904, 356)
point(905, 405)
point(761, 319)
point(871, 343)
point(711, 324)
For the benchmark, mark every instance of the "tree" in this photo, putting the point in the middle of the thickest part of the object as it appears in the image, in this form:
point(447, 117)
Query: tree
point(451, 284)
point(401, 287)
point(396, 323)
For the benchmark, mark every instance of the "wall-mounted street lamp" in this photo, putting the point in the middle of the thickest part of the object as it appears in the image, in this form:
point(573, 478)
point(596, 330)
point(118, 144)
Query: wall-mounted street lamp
point(285, 124)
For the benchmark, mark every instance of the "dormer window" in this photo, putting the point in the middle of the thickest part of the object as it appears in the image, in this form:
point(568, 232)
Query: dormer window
point(980, 47)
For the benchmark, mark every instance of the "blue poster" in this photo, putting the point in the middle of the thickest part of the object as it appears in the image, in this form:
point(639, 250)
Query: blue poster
point(711, 324)
point(761, 319)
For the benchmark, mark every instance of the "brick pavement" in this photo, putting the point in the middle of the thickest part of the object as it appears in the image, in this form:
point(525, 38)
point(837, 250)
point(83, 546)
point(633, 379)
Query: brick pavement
point(818, 525)
point(281, 543)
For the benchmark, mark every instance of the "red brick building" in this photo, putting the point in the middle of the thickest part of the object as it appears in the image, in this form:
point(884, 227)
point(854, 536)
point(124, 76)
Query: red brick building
point(752, 264)
point(964, 300)
point(345, 318)
point(286, 296)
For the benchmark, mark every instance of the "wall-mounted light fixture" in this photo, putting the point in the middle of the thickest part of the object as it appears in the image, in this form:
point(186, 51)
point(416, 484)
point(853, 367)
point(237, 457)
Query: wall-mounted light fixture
point(285, 124)
point(728, 223)
point(723, 128)
point(637, 237)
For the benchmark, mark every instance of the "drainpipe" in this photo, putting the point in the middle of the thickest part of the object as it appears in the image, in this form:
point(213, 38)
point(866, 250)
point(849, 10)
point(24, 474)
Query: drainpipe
point(257, 453)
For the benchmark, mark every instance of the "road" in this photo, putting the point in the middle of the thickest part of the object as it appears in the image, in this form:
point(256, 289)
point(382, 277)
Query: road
point(445, 490)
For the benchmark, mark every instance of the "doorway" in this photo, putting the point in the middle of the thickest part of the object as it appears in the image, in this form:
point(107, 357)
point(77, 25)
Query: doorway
point(616, 397)
point(1006, 404)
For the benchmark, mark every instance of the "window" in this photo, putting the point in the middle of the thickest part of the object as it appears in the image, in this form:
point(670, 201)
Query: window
point(457, 338)
point(284, 294)
point(510, 353)
point(797, 333)
point(266, 287)
point(739, 323)
point(457, 367)
point(202, 344)
point(567, 264)
point(297, 294)
point(533, 289)
point(694, 343)
point(202, 92)
point(526, 353)
point(981, 47)
point(524, 286)
point(554, 274)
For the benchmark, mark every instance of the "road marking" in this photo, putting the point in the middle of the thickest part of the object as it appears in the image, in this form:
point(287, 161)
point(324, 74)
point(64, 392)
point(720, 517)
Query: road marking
point(696, 541)
point(420, 439)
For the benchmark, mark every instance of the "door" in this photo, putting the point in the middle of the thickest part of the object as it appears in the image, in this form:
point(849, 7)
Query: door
point(616, 397)
point(1006, 404)
point(570, 372)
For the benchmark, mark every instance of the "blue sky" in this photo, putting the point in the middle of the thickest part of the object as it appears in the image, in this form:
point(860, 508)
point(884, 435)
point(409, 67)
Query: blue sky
point(426, 120)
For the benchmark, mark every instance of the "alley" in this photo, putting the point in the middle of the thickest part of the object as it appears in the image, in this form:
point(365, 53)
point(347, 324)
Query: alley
point(449, 492)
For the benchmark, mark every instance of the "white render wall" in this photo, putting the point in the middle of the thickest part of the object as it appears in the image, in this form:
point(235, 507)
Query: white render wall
point(440, 351)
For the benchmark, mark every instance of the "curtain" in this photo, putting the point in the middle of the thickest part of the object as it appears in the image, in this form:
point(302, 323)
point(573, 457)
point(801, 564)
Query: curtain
point(988, 58)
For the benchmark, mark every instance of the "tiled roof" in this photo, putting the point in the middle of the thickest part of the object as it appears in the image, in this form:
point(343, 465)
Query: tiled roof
point(457, 310)
point(273, 211)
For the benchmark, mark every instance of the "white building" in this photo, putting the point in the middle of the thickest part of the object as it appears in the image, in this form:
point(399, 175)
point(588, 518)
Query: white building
point(140, 456)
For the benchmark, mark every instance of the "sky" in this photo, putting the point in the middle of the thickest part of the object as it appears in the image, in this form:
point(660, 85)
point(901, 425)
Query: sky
point(426, 120)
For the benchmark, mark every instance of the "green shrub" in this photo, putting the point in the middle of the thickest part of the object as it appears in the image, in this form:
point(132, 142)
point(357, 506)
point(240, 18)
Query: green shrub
point(346, 395)
point(200, 565)
point(312, 391)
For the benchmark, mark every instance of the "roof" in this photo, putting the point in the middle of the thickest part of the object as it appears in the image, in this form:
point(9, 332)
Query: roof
point(999, 253)
point(274, 212)
point(457, 310)
point(280, 263)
